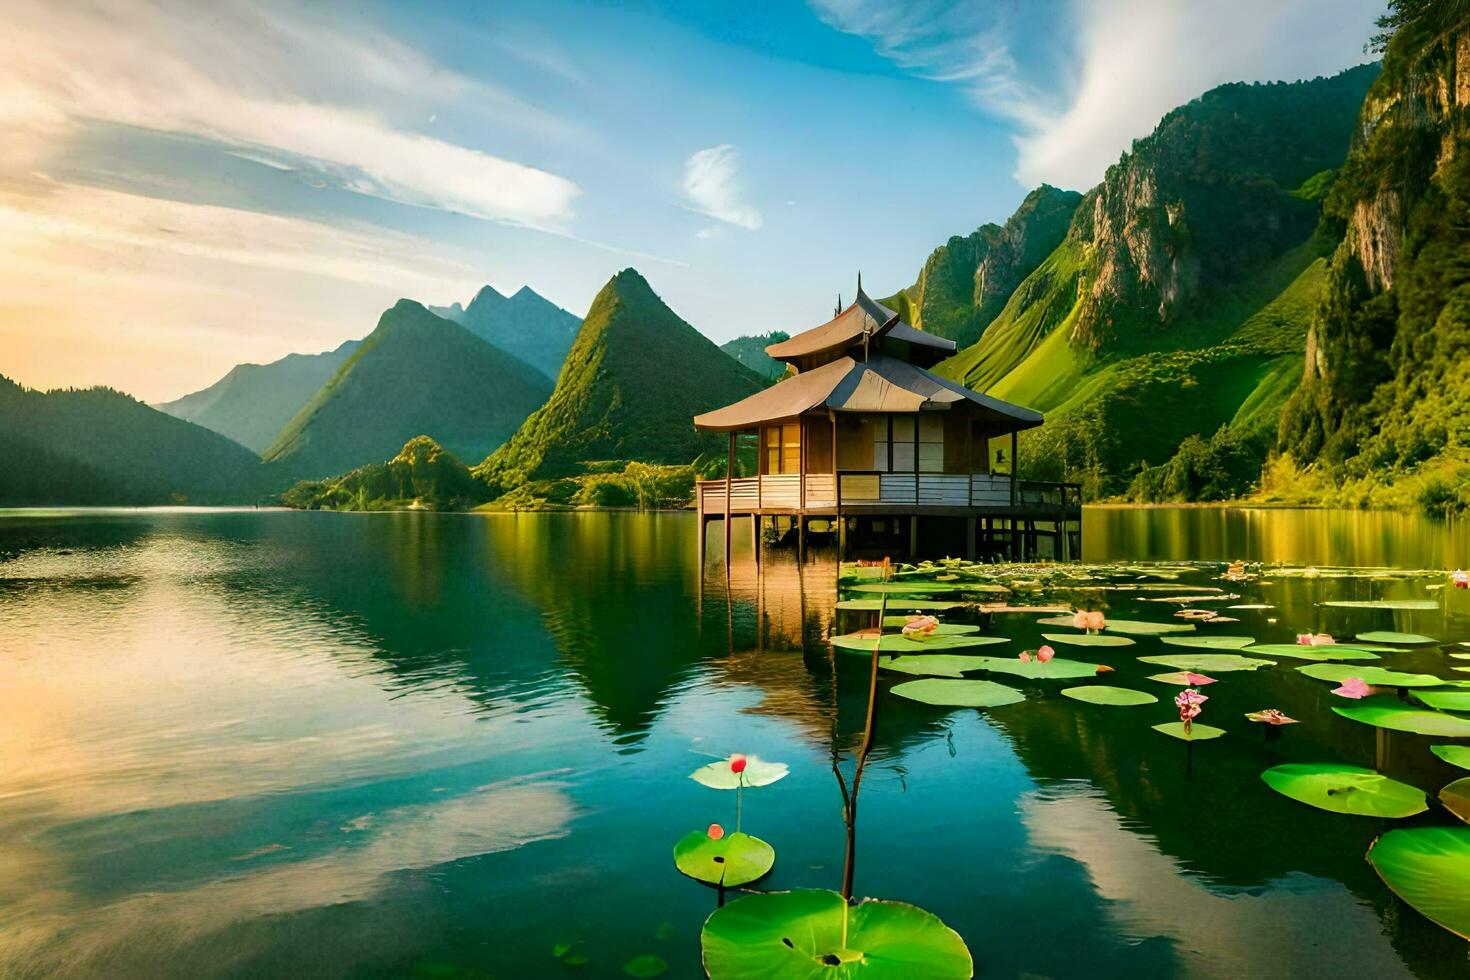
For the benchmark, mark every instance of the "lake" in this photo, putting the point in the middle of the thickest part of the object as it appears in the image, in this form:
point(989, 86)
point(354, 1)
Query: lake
point(257, 743)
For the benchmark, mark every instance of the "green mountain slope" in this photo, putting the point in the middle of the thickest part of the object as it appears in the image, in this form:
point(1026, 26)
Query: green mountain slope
point(416, 374)
point(253, 402)
point(965, 282)
point(525, 325)
point(1178, 298)
point(1385, 395)
point(99, 446)
point(423, 475)
point(631, 385)
point(751, 351)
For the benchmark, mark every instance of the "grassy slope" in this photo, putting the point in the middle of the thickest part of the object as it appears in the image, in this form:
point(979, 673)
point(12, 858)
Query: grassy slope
point(632, 382)
point(416, 374)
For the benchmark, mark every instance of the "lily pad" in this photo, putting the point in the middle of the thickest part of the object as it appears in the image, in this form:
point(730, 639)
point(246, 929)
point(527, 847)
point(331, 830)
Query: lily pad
point(1456, 798)
point(1183, 678)
point(1088, 639)
point(894, 643)
point(1102, 694)
point(1390, 713)
point(813, 933)
point(1383, 604)
point(1055, 669)
point(1376, 676)
point(905, 588)
point(1203, 662)
point(932, 664)
point(1209, 642)
point(951, 693)
point(873, 605)
point(1455, 755)
point(1402, 639)
point(943, 629)
point(735, 859)
point(1445, 700)
point(1429, 868)
point(757, 772)
point(1300, 651)
point(1131, 627)
point(1198, 733)
point(1346, 789)
point(647, 965)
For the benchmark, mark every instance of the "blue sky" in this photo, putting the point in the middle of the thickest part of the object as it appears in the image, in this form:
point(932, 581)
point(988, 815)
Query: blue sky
point(187, 186)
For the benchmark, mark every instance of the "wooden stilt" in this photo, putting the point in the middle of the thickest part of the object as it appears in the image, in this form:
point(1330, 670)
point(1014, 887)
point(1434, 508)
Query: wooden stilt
point(729, 479)
point(755, 537)
point(841, 538)
point(914, 535)
point(970, 549)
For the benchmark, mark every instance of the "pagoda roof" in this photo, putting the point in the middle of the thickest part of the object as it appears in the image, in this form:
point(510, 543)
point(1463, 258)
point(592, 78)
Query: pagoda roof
point(880, 384)
point(864, 316)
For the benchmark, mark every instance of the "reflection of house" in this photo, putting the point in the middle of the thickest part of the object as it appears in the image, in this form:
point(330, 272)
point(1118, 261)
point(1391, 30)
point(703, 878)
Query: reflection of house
point(862, 432)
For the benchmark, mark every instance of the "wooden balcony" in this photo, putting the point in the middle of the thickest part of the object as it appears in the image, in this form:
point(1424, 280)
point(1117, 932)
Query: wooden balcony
point(872, 492)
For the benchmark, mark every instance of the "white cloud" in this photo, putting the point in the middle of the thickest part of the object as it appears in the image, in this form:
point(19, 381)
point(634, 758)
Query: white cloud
point(280, 86)
point(1081, 80)
point(712, 183)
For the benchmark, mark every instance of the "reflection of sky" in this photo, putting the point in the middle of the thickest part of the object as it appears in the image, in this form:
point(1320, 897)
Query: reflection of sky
point(1299, 926)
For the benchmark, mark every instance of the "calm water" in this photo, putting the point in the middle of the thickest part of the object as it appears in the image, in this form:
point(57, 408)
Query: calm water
point(305, 744)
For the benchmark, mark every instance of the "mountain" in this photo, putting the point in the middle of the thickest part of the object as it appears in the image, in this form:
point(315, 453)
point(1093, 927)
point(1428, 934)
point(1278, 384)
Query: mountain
point(423, 475)
point(99, 446)
point(1177, 301)
point(1384, 402)
point(966, 281)
point(633, 381)
point(253, 402)
point(750, 350)
point(525, 325)
point(415, 374)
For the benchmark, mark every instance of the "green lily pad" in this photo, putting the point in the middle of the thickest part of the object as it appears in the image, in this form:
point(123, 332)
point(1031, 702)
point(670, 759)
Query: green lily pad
point(1368, 675)
point(1102, 694)
point(943, 629)
point(1383, 604)
point(813, 933)
point(1403, 639)
point(1456, 798)
point(1209, 642)
point(1205, 662)
point(1458, 700)
point(1346, 789)
point(894, 643)
point(1460, 656)
point(1455, 755)
point(873, 605)
point(905, 588)
point(718, 775)
point(1182, 678)
point(1300, 651)
point(1087, 639)
point(932, 664)
point(1131, 627)
point(1429, 868)
point(1055, 669)
point(647, 965)
point(1199, 733)
point(735, 859)
point(958, 693)
point(1390, 713)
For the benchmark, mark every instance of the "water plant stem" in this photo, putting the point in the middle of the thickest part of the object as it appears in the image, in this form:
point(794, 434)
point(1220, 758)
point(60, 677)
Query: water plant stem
point(862, 761)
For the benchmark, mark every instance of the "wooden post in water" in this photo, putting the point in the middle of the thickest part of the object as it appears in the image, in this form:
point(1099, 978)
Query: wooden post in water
point(1015, 496)
point(729, 479)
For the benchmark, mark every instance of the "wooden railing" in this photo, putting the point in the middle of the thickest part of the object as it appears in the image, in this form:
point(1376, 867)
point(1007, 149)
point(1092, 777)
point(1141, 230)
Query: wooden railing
point(871, 488)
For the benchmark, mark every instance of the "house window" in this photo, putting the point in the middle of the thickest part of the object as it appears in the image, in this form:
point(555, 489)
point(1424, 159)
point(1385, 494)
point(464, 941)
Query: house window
point(782, 448)
point(931, 442)
point(903, 443)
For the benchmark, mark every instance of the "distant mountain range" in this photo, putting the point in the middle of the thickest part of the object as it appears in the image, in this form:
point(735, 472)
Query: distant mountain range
point(524, 324)
point(253, 402)
point(99, 446)
point(750, 350)
point(633, 382)
point(416, 374)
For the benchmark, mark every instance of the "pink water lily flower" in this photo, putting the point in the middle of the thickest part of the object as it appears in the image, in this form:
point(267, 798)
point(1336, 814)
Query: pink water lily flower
point(715, 831)
point(737, 763)
point(1092, 621)
point(1025, 657)
point(920, 627)
point(1355, 688)
point(1190, 703)
point(1270, 716)
point(1045, 654)
point(1314, 639)
point(1461, 578)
